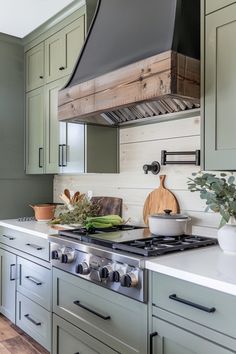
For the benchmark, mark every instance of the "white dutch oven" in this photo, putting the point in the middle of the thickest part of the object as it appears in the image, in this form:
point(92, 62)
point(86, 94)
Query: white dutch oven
point(168, 224)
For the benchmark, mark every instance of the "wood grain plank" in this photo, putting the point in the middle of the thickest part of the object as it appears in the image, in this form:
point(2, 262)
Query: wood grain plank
point(154, 78)
point(15, 341)
point(18, 345)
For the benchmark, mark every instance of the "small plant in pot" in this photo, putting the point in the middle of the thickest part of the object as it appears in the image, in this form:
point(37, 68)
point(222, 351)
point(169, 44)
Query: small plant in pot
point(220, 195)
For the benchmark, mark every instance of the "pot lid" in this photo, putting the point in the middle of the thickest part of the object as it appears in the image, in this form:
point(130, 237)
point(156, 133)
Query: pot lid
point(167, 215)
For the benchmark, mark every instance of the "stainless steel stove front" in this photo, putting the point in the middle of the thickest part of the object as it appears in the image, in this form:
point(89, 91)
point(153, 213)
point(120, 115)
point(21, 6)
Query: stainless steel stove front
point(106, 268)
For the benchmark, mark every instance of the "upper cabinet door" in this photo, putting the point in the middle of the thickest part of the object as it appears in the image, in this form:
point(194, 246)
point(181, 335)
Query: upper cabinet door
point(220, 89)
point(55, 131)
point(62, 50)
point(34, 66)
point(213, 5)
point(73, 39)
point(35, 131)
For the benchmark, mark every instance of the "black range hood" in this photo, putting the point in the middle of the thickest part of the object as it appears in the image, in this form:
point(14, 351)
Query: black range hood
point(140, 59)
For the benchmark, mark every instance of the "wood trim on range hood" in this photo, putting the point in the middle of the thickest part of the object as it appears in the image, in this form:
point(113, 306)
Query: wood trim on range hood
point(164, 83)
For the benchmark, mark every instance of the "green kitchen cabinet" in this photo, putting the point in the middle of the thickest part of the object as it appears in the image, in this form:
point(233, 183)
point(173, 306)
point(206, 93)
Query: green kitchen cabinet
point(213, 5)
point(64, 141)
point(62, 50)
point(8, 284)
point(35, 131)
point(188, 318)
point(76, 148)
point(169, 339)
point(34, 67)
point(70, 340)
point(113, 319)
point(220, 88)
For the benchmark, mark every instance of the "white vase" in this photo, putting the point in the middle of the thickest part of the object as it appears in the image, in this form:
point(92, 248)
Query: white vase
point(227, 237)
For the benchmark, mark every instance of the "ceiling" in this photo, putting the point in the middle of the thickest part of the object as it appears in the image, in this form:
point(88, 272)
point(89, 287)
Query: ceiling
point(20, 17)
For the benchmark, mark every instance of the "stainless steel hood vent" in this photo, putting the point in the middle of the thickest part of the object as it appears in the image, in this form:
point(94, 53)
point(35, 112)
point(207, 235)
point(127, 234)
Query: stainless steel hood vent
point(140, 59)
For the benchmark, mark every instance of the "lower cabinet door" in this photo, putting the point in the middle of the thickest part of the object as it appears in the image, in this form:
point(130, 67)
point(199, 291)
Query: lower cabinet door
point(8, 284)
point(34, 320)
point(68, 339)
point(170, 339)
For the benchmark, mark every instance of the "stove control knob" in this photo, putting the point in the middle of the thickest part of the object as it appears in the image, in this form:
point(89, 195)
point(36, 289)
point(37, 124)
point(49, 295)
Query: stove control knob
point(129, 280)
point(83, 268)
point(55, 255)
point(67, 257)
point(116, 276)
point(104, 272)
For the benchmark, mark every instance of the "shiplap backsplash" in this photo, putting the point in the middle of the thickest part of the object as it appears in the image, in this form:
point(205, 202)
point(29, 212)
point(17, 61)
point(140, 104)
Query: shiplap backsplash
point(140, 145)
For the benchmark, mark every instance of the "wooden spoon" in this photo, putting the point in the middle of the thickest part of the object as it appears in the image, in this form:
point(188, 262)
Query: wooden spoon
point(67, 194)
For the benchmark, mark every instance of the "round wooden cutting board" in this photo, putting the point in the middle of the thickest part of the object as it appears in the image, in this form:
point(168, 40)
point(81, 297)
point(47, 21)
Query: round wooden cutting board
point(159, 200)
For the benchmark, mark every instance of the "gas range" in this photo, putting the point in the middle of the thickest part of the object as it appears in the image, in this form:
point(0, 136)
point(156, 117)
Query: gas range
point(114, 258)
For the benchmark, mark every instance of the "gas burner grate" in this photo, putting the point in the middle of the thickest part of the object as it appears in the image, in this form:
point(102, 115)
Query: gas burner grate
point(155, 246)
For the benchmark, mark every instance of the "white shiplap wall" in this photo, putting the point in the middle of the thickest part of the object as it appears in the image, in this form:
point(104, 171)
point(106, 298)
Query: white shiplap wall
point(140, 145)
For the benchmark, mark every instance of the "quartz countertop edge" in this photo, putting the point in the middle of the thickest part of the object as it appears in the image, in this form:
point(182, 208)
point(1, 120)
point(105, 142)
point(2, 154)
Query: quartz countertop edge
point(209, 267)
point(36, 228)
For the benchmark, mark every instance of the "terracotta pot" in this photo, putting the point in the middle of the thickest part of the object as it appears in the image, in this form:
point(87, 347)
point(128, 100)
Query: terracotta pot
point(44, 212)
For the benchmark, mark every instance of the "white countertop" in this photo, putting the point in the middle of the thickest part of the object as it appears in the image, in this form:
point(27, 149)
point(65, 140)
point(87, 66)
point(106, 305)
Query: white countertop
point(209, 266)
point(37, 228)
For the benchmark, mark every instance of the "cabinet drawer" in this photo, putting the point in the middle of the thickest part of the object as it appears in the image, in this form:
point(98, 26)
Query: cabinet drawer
point(70, 340)
point(213, 5)
point(115, 319)
point(35, 282)
point(206, 306)
point(33, 245)
point(34, 320)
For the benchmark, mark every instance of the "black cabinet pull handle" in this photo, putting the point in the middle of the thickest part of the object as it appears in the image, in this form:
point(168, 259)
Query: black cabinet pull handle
point(33, 280)
point(62, 68)
point(38, 248)
point(10, 238)
point(41, 76)
point(77, 302)
point(12, 277)
point(192, 304)
point(40, 164)
point(64, 155)
point(60, 155)
point(32, 320)
point(154, 334)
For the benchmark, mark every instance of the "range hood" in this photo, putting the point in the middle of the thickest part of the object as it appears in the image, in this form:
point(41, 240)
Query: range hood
point(140, 59)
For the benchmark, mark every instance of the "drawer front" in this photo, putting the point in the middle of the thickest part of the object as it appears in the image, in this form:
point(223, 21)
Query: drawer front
point(206, 306)
point(33, 245)
point(70, 340)
point(34, 320)
point(213, 5)
point(114, 319)
point(35, 282)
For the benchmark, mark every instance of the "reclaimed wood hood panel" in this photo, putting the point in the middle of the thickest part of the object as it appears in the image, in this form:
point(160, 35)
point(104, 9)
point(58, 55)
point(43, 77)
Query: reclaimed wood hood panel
point(164, 83)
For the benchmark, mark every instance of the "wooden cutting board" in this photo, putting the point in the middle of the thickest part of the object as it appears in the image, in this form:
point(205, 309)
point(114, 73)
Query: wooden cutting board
point(109, 205)
point(159, 200)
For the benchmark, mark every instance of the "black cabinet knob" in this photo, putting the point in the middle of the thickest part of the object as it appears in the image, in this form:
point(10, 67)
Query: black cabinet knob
point(62, 68)
point(41, 76)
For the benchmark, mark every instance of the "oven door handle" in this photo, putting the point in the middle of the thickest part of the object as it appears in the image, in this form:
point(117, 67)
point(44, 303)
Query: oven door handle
point(78, 303)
